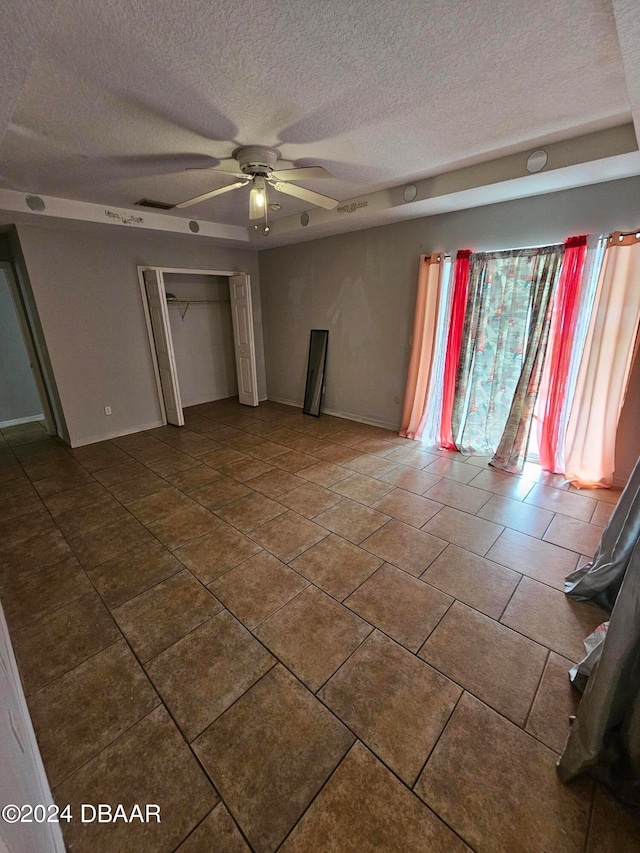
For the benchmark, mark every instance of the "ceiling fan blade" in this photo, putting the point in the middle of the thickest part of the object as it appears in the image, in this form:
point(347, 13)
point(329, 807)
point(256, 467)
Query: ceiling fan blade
point(305, 195)
point(211, 194)
point(225, 172)
point(304, 173)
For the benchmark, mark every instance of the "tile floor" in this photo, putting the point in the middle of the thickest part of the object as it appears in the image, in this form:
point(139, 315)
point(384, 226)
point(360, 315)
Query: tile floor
point(301, 635)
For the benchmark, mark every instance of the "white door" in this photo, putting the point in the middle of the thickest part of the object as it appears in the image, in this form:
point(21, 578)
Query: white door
point(159, 315)
point(245, 348)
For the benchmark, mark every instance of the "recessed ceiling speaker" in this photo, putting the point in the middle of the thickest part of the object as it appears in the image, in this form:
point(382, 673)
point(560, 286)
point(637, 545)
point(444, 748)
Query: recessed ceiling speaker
point(193, 226)
point(304, 219)
point(410, 192)
point(35, 203)
point(537, 161)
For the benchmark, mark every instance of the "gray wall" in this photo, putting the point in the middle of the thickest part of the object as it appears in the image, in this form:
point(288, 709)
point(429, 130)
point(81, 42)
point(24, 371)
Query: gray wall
point(18, 395)
point(202, 335)
point(361, 286)
point(86, 290)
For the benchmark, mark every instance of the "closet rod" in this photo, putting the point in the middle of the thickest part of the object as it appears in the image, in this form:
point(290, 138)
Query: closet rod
point(189, 302)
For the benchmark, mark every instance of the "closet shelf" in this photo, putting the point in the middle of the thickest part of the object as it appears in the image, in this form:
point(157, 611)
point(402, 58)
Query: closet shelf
point(188, 302)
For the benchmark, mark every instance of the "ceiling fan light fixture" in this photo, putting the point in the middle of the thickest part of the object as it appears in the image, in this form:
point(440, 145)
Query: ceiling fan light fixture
point(258, 198)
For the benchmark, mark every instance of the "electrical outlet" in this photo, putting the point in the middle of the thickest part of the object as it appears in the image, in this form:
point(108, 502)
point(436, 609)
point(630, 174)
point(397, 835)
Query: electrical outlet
point(107, 410)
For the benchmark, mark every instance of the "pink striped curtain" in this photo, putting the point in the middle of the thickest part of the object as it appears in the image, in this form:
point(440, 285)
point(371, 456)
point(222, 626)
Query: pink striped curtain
point(604, 372)
point(460, 286)
point(422, 346)
point(561, 336)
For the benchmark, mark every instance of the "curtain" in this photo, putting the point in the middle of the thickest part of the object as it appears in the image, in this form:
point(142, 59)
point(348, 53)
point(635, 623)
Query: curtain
point(561, 335)
point(605, 736)
point(504, 338)
point(460, 286)
point(429, 429)
point(422, 345)
point(604, 372)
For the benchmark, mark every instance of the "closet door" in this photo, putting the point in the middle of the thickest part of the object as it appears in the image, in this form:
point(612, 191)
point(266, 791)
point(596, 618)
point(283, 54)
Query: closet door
point(244, 345)
point(156, 297)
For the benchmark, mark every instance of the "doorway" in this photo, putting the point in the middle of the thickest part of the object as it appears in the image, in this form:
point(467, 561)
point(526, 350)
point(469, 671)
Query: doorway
point(200, 326)
point(23, 394)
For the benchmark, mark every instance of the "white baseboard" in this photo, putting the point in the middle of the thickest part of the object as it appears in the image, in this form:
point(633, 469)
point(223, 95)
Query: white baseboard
point(94, 439)
point(32, 419)
point(348, 416)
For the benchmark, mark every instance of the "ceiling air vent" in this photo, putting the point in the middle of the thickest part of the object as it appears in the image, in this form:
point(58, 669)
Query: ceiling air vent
point(158, 205)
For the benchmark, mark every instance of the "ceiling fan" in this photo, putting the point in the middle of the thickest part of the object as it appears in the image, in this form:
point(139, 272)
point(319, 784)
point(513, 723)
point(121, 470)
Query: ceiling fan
point(256, 166)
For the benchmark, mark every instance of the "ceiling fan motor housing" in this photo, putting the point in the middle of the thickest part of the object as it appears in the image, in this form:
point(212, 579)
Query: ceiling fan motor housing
point(257, 159)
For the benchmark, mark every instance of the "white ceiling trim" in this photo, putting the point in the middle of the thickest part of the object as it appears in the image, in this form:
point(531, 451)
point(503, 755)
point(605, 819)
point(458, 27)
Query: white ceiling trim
point(63, 208)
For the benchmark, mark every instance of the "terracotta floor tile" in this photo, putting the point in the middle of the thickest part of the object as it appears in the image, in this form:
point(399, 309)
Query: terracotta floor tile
point(223, 456)
point(410, 456)
point(275, 483)
point(540, 560)
point(613, 828)
point(87, 518)
point(336, 566)
point(325, 473)
point(404, 546)
point(556, 700)
point(61, 640)
point(63, 482)
point(347, 437)
point(87, 708)
point(376, 446)
point(75, 498)
point(365, 809)
point(250, 512)
point(371, 466)
point(480, 583)
point(482, 760)
point(452, 469)
point(337, 453)
point(219, 492)
point(313, 635)
point(20, 503)
point(502, 484)
point(28, 600)
point(183, 526)
point(173, 464)
point(217, 833)
point(243, 441)
point(566, 503)
point(109, 541)
point(256, 588)
point(547, 616)
point(245, 469)
point(294, 461)
point(602, 513)
point(150, 763)
point(288, 535)
point(154, 507)
point(215, 553)
point(403, 607)
point(610, 496)
point(159, 617)
point(202, 674)
point(499, 666)
point(270, 754)
point(363, 489)
point(517, 515)
point(13, 531)
point(407, 507)
point(29, 557)
point(266, 451)
point(193, 478)
point(352, 520)
point(395, 704)
point(309, 499)
point(411, 479)
point(128, 491)
point(574, 535)
point(458, 495)
point(127, 470)
point(466, 531)
point(132, 573)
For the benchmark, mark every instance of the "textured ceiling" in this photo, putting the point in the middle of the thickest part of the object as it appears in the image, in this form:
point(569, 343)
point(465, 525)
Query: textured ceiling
point(123, 95)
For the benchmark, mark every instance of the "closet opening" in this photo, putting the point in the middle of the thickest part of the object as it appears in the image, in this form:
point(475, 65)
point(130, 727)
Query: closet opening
point(200, 326)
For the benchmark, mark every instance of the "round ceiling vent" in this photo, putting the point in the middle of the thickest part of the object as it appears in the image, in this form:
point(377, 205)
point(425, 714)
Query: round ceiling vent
point(35, 203)
point(410, 192)
point(537, 161)
point(193, 226)
point(304, 219)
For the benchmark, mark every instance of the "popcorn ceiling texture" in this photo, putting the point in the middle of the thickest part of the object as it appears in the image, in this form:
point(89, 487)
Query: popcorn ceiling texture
point(124, 94)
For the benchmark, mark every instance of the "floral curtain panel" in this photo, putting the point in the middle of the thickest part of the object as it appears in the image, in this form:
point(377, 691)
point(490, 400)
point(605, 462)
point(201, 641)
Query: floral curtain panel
point(508, 307)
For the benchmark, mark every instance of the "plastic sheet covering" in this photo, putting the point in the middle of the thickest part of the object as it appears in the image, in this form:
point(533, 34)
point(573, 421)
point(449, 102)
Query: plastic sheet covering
point(605, 736)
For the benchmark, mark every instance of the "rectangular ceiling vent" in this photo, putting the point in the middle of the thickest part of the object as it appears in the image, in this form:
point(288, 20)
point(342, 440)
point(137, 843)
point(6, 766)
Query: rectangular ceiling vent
point(158, 205)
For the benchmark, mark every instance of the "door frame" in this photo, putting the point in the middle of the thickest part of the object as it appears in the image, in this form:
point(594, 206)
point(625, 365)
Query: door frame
point(30, 346)
point(147, 316)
